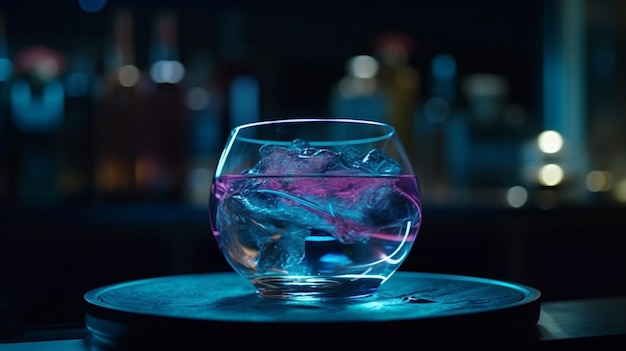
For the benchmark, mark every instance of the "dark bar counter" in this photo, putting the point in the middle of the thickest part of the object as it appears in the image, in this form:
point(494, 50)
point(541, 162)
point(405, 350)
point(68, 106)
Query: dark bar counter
point(598, 324)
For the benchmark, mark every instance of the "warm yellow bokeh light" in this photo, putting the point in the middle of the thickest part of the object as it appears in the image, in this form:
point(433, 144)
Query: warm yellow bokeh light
point(550, 174)
point(550, 141)
point(620, 191)
point(598, 181)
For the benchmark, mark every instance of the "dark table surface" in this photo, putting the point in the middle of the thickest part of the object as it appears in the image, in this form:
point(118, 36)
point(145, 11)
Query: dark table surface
point(596, 323)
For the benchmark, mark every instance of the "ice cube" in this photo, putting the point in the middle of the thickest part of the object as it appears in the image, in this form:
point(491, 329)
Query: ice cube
point(378, 162)
point(268, 220)
point(271, 219)
point(297, 159)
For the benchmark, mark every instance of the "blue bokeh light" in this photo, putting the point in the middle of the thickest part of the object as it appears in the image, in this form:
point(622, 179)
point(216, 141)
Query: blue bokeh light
point(167, 71)
point(444, 67)
point(92, 5)
point(244, 102)
point(6, 69)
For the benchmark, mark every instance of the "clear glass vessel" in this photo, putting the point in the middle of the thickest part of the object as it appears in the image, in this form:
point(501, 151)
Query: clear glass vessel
point(315, 209)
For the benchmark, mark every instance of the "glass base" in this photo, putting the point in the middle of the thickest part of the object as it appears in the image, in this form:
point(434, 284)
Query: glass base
point(314, 288)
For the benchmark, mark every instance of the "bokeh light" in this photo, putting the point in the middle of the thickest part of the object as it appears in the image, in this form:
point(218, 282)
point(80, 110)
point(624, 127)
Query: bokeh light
point(599, 181)
point(6, 69)
point(620, 191)
point(363, 66)
point(197, 98)
point(517, 196)
point(444, 67)
point(128, 75)
point(550, 141)
point(550, 175)
point(92, 5)
point(167, 71)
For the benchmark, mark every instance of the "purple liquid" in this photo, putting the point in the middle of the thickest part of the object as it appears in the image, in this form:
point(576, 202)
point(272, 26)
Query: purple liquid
point(331, 226)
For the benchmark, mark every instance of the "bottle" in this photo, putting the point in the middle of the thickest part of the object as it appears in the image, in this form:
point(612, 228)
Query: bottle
point(77, 132)
point(237, 74)
point(37, 98)
point(442, 140)
point(401, 82)
point(203, 103)
point(116, 126)
point(359, 94)
point(162, 153)
point(6, 144)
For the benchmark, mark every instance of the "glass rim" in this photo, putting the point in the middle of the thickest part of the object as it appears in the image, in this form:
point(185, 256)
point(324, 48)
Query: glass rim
point(348, 141)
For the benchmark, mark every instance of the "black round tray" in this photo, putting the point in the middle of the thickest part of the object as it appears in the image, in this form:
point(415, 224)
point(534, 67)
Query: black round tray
point(216, 308)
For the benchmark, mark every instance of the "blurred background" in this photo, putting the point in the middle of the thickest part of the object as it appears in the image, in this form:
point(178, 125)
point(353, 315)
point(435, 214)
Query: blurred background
point(113, 113)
